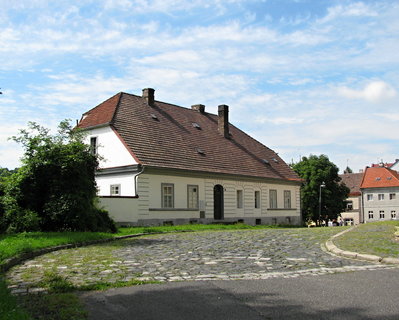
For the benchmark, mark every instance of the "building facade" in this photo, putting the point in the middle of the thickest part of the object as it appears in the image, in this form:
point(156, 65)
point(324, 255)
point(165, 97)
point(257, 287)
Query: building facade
point(164, 164)
point(380, 194)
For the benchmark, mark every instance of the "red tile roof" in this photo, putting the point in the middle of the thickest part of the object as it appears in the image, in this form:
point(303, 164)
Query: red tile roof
point(352, 181)
point(163, 135)
point(380, 177)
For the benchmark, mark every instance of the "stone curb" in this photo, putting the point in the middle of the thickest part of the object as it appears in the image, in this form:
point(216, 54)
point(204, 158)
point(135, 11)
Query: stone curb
point(12, 262)
point(330, 246)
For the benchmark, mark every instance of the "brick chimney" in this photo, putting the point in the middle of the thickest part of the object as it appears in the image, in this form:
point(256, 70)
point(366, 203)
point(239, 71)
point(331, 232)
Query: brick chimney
point(198, 107)
point(148, 94)
point(223, 120)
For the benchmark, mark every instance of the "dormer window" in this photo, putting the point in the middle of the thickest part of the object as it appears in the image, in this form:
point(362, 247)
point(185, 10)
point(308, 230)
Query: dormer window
point(196, 125)
point(154, 116)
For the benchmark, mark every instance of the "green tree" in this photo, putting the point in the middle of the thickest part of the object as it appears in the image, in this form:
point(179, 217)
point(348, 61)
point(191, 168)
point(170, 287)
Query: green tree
point(314, 170)
point(55, 188)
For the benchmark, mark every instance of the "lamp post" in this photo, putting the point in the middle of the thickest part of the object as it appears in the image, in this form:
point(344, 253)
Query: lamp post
point(323, 185)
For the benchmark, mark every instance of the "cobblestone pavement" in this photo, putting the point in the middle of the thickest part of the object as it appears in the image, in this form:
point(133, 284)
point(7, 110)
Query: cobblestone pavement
point(224, 255)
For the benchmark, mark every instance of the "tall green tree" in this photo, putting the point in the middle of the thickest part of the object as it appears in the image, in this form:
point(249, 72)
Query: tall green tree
point(55, 188)
point(317, 171)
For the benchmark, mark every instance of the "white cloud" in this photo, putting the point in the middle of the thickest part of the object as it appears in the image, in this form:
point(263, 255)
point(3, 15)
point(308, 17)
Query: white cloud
point(375, 92)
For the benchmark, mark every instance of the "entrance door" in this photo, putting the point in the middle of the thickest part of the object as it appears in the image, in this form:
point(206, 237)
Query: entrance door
point(218, 202)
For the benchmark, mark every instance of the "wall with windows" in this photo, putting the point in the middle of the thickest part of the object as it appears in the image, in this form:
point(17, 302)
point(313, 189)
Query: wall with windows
point(179, 198)
point(109, 147)
point(123, 183)
point(352, 212)
point(380, 203)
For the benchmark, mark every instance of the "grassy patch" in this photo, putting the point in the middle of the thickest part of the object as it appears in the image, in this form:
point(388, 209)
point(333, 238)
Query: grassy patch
point(56, 306)
point(377, 238)
point(9, 308)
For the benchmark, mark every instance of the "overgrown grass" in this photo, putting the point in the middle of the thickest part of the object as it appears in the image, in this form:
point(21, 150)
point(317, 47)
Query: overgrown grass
point(9, 308)
point(377, 238)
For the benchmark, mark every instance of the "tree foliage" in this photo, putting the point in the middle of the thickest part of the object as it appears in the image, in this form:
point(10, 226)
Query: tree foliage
point(55, 188)
point(314, 170)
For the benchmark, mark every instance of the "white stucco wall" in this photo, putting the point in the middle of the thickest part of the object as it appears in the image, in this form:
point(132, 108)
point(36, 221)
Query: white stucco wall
point(126, 182)
point(110, 148)
point(376, 205)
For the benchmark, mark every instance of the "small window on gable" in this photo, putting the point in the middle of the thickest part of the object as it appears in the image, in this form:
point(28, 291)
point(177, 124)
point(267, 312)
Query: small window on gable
point(115, 189)
point(93, 145)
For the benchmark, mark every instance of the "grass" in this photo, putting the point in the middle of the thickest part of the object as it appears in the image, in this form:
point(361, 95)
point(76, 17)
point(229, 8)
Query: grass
point(9, 308)
point(376, 238)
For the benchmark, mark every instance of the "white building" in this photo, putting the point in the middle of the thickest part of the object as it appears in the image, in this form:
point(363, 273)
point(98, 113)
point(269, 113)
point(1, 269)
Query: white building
point(162, 163)
point(380, 194)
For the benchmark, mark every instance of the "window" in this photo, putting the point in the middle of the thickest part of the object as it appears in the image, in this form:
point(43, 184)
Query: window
point(393, 214)
point(369, 197)
point(192, 197)
point(287, 199)
point(239, 199)
point(257, 199)
point(168, 195)
point(115, 189)
point(93, 145)
point(380, 196)
point(371, 215)
point(349, 205)
point(392, 196)
point(382, 214)
point(273, 198)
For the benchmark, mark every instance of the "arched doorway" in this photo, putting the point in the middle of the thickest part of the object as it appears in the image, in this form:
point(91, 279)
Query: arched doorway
point(218, 202)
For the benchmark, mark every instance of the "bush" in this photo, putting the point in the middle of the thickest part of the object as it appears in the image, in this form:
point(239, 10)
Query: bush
point(55, 189)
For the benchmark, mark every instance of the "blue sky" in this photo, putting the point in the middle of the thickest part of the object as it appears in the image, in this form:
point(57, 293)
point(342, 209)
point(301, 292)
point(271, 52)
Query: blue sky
point(301, 76)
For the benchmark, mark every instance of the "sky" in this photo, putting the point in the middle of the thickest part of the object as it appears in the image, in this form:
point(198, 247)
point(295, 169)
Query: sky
point(301, 76)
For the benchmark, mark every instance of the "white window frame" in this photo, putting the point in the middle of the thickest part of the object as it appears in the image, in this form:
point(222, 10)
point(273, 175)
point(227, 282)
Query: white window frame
point(168, 195)
point(115, 190)
point(287, 199)
point(94, 145)
point(192, 196)
point(273, 198)
point(240, 198)
point(371, 214)
point(392, 196)
point(257, 199)
point(382, 214)
point(393, 214)
point(370, 197)
point(381, 197)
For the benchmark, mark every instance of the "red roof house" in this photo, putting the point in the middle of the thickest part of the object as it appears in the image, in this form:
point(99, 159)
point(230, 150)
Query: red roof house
point(162, 162)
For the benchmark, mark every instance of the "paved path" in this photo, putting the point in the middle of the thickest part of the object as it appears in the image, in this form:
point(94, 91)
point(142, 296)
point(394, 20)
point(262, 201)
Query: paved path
point(225, 255)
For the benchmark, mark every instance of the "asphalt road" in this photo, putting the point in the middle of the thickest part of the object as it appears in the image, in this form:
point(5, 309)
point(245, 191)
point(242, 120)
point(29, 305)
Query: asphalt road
point(357, 295)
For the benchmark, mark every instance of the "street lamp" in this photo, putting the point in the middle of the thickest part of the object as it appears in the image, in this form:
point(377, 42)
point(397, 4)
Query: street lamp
point(323, 185)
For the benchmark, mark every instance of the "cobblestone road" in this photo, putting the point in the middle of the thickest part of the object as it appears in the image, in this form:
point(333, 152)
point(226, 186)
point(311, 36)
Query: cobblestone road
point(224, 255)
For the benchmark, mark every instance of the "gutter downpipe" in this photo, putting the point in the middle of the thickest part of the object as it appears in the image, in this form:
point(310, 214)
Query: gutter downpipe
point(135, 180)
